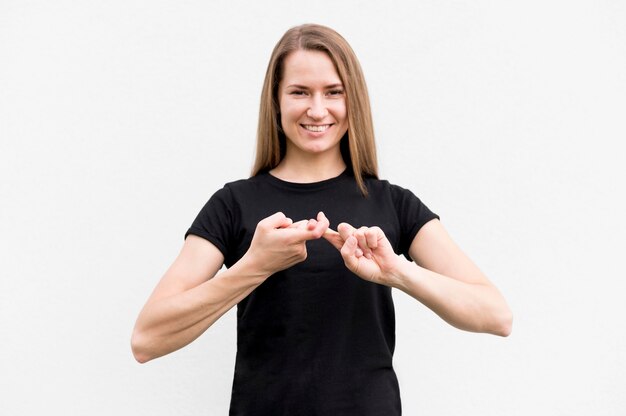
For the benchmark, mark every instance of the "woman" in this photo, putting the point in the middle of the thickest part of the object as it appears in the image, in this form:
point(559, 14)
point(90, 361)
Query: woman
point(315, 332)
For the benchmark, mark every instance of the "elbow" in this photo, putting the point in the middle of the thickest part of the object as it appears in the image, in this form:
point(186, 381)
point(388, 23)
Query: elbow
point(504, 325)
point(138, 347)
point(141, 358)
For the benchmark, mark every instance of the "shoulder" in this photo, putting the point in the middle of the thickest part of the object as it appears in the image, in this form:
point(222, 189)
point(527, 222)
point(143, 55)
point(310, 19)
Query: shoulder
point(384, 186)
point(242, 192)
point(251, 182)
point(226, 196)
point(240, 186)
point(404, 200)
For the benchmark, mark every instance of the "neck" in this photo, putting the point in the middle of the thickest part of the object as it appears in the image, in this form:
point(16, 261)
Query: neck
point(310, 168)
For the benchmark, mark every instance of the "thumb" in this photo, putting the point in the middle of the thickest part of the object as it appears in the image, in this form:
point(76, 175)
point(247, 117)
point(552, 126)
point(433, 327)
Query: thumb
point(345, 230)
point(348, 252)
point(302, 224)
point(277, 220)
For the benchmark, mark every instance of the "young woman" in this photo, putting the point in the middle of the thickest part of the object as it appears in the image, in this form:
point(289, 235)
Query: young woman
point(313, 242)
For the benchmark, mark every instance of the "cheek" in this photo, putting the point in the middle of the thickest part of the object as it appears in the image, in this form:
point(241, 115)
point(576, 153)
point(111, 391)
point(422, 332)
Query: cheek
point(289, 113)
point(340, 112)
point(344, 115)
point(285, 118)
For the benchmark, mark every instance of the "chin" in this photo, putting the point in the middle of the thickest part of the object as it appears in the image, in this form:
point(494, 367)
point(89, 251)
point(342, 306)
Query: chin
point(317, 148)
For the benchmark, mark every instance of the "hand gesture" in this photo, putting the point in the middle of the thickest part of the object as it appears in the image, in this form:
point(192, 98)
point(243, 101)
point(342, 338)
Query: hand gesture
point(366, 252)
point(279, 243)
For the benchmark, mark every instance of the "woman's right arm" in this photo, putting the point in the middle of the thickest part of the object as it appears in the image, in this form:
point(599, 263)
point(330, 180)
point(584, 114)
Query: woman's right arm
point(190, 296)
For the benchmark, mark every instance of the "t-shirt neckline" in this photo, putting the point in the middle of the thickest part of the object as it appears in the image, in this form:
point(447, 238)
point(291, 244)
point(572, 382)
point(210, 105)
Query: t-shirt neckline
point(306, 185)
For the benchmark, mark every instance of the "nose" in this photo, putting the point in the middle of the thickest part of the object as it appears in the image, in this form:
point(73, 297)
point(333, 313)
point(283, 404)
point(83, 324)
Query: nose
point(317, 110)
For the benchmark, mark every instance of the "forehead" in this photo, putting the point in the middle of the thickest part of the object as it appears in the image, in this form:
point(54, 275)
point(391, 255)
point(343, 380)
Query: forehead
point(309, 68)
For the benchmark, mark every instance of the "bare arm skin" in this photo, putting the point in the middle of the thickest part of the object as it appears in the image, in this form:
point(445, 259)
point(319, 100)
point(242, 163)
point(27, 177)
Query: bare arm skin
point(190, 296)
point(443, 278)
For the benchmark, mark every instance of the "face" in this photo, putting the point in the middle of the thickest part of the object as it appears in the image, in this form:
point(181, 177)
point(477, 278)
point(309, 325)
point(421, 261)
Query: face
point(312, 104)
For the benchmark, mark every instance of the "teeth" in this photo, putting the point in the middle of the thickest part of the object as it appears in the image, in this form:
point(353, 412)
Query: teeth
point(316, 128)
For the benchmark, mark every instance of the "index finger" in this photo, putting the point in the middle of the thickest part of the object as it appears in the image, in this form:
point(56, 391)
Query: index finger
point(333, 238)
point(306, 233)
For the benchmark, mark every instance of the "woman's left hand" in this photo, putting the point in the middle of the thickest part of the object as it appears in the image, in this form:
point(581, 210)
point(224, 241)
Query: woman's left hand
point(366, 252)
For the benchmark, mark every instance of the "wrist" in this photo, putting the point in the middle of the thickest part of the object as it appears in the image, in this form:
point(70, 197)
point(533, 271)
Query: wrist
point(250, 266)
point(400, 274)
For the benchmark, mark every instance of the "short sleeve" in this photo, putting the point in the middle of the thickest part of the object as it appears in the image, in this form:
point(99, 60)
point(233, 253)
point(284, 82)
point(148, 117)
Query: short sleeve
point(412, 215)
point(215, 221)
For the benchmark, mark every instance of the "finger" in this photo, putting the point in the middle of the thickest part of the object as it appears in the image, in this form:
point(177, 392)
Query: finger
point(333, 238)
point(277, 220)
point(348, 252)
point(362, 241)
point(345, 230)
point(287, 222)
point(321, 225)
point(307, 233)
point(300, 224)
point(372, 236)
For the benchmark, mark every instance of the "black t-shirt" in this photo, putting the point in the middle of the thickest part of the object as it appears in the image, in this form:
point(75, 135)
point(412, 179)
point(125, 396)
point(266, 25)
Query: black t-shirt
point(314, 339)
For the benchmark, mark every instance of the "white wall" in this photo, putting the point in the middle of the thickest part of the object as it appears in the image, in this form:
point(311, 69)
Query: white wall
point(119, 119)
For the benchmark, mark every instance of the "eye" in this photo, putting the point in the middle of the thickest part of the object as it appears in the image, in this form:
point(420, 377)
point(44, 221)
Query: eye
point(335, 92)
point(297, 92)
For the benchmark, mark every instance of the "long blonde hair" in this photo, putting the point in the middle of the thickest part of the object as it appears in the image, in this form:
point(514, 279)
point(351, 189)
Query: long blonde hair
point(358, 147)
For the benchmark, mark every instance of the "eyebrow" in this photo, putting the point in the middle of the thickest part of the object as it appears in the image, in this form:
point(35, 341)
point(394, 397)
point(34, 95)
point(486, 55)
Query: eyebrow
point(339, 85)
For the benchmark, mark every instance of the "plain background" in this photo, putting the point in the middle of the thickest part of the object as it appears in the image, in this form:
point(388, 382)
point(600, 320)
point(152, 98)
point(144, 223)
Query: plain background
point(119, 119)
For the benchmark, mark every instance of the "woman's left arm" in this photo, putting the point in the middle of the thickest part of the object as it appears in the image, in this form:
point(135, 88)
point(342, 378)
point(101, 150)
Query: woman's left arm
point(443, 278)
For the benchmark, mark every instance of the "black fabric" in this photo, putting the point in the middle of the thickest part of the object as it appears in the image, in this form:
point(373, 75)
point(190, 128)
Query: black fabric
point(314, 339)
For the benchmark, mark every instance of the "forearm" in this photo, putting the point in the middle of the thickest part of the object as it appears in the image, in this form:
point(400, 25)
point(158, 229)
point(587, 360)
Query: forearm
point(168, 324)
point(467, 306)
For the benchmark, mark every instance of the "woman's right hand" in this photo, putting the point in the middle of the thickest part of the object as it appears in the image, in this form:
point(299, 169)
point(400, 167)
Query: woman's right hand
point(279, 243)
point(190, 296)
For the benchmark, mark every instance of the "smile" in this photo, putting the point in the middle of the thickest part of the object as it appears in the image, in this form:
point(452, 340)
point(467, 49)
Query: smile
point(317, 129)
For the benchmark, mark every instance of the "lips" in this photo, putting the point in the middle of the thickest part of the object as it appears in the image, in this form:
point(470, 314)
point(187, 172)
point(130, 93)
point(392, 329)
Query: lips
point(319, 128)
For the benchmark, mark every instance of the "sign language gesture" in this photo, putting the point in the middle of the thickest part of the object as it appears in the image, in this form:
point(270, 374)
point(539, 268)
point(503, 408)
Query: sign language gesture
point(279, 243)
point(366, 252)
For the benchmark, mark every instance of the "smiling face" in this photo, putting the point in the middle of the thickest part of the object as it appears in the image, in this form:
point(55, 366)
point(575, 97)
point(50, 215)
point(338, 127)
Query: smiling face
point(312, 103)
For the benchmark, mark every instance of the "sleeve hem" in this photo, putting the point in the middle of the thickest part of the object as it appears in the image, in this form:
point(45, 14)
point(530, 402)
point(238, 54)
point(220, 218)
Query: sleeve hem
point(415, 230)
point(210, 238)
